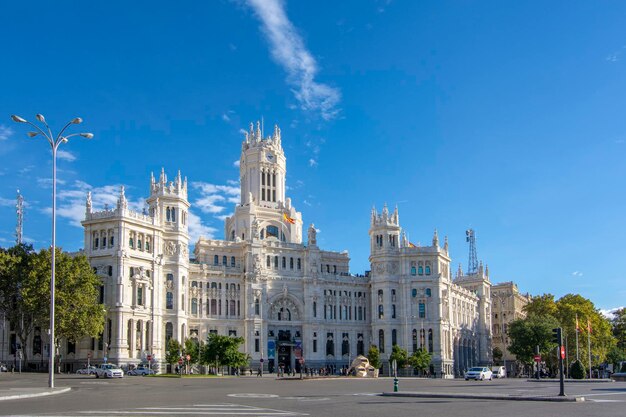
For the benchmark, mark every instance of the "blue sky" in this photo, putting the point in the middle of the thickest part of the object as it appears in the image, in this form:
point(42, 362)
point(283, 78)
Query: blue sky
point(507, 117)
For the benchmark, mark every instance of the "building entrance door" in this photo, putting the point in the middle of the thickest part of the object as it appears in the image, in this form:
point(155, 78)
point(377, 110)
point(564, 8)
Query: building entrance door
point(284, 357)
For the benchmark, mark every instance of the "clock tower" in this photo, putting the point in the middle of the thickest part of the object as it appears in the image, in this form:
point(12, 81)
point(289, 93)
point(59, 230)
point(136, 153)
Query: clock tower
point(264, 211)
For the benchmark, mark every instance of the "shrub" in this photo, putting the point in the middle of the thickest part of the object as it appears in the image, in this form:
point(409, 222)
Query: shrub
point(577, 370)
point(374, 357)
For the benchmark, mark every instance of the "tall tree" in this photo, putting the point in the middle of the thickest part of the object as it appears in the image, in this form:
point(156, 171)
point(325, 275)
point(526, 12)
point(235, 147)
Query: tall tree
point(526, 334)
point(224, 350)
point(173, 352)
point(373, 355)
point(420, 360)
point(619, 328)
point(401, 356)
point(541, 305)
point(192, 348)
point(78, 312)
point(24, 300)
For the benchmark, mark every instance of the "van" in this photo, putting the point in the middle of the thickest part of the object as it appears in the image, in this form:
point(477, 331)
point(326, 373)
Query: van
point(498, 371)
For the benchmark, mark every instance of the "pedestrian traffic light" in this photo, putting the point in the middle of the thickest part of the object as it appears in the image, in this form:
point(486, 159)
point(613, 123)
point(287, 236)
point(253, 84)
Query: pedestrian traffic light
point(556, 336)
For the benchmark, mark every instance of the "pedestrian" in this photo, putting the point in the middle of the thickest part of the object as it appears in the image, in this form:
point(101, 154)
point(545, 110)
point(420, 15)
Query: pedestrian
point(258, 372)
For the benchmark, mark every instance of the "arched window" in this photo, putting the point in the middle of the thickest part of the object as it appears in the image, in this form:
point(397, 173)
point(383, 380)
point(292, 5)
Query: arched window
point(168, 215)
point(257, 307)
point(170, 277)
point(194, 306)
point(420, 269)
point(414, 340)
point(169, 332)
point(112, 241)
point(214, 285)
point(104, 241)
point(381, 311)
point(276, 262)
point(173, 214)
point(194, 284)
point(284, 263)
point(232, 261)
point(414, 292)
point(224, 260)
point(139, 244)
point(393, 311)
point(290, 263)
point(413, 270)
point(269, 261)
point(422, 310)
point(169, 300)
point(216, 260)
point(147, 244)
point(394, 337)
point(380, 296)
point(299, 264)
point(427, 268)
point(360, 313)
point(110, 271)
point(314, 309)
point(381, 341)
point(428, 292)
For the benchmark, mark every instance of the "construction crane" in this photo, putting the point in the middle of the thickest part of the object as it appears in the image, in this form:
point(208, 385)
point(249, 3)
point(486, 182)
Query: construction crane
point(472, 265)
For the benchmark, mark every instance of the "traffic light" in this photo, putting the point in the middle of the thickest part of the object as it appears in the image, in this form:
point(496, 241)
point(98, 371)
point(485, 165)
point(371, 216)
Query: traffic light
point(556, 336)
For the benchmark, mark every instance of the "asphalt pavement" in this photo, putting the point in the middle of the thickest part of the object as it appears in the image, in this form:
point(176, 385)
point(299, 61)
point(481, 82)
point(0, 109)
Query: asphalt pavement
point(267, 396)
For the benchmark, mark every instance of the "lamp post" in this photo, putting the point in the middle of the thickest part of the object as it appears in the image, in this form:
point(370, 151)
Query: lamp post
point(54, 142)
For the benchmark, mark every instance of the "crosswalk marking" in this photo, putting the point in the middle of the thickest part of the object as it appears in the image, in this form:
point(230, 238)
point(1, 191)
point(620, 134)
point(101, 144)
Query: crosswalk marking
point(196, 410)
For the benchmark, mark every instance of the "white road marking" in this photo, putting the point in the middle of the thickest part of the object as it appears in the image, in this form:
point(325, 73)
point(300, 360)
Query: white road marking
point(607, 401)
point(253, 395)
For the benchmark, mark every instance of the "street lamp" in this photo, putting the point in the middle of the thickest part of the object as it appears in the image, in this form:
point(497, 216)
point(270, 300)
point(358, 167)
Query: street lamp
point(54, 142)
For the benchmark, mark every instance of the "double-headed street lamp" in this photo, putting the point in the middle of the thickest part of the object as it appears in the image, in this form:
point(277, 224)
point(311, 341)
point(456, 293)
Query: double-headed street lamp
point(54, 142)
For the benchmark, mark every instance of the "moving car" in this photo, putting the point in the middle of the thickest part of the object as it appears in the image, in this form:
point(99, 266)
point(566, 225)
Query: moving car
point(478, 373)
point(108, 370)
point(90, 370)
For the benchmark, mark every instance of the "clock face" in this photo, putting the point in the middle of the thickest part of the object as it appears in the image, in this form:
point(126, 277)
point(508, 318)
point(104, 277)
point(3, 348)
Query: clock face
point(270, 157)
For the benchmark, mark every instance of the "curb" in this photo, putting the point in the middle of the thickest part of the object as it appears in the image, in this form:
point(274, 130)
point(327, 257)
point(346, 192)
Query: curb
point(34, 394)
point(482, 396)
point(575, 381)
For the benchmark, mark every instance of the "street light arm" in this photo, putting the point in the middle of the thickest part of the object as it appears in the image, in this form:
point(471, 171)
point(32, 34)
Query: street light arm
point(49, 137)
point(60, 135)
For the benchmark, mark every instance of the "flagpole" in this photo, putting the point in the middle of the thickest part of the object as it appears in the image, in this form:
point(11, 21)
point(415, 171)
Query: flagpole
point(589, 345)
point(577, 357)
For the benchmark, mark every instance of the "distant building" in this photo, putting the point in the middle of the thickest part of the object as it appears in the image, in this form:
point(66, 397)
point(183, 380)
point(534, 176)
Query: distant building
point(508, 305)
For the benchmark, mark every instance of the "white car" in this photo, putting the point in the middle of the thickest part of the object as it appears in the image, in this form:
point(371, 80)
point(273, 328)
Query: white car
point(91, 370)
point(478, 373)
point(108, 370)
point(141, 370)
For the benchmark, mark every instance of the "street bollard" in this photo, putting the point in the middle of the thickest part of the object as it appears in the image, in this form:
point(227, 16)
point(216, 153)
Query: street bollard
point(395, 385)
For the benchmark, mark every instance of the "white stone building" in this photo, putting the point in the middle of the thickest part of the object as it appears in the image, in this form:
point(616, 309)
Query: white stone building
point(288, 298)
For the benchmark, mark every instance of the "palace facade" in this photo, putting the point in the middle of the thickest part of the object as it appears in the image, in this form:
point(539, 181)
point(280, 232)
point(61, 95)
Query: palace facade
point(292, 301)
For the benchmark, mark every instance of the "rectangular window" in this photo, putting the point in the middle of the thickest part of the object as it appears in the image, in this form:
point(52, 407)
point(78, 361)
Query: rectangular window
point(315, 346)
point(299, 264)
point(263, 194)
point(422, 310)
point(256, 345)
point(393, 311)
point(140, 296)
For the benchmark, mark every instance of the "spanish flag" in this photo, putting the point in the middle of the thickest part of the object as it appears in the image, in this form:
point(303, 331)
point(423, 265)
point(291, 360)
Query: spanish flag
point(411, 245)
point(577, 326)
point(288, 219)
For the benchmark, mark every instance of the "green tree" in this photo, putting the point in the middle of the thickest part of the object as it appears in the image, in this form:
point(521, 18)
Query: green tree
point(577, 370)
point(497, 354)
point(401, 356)
point(224, 350)
point(23, 299)
point(78, 312)
point(173, 352)
point(619, 328)
point(532, 331)
point(541, 305)
point(373, 356)
point(420, 360)
point(192, 348)
point(615, 356)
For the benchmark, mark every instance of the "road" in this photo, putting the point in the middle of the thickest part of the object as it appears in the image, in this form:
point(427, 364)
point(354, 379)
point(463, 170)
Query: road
point(144, 396)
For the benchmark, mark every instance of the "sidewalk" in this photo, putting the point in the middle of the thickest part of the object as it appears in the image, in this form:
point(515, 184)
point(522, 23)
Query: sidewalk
point(22, 393)
point(550, 398)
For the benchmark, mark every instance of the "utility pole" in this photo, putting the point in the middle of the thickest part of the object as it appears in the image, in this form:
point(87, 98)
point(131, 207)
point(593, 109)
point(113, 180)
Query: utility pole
point(472, 265)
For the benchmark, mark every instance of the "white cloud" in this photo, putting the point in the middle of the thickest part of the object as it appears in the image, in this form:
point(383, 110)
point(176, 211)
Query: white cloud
point(289, 51)
point(225, 117)
point(318, 230)
point(197, 228)
point(66, 156)
point(7, 202)
point(609, 313)
point(223, 217)
point(232, 182)
point(243, 131)
point(47, 182)
point(237, 163)
point(577, 274)
point(5, 132)
point(213, 197)
point(312, 162)
point(307, 203)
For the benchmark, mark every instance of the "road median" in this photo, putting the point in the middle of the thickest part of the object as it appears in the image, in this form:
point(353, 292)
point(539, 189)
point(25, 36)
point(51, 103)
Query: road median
point(484, 396)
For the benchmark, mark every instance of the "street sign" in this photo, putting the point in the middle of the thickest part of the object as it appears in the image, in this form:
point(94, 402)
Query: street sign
point(262, 360)
point(562, 352)
point(537, 358)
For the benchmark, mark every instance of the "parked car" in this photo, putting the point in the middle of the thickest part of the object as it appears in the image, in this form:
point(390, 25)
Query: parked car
point(91, 370)
point(479, 373)
point(109, 370)
point(498, 371)
point(141, 370)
